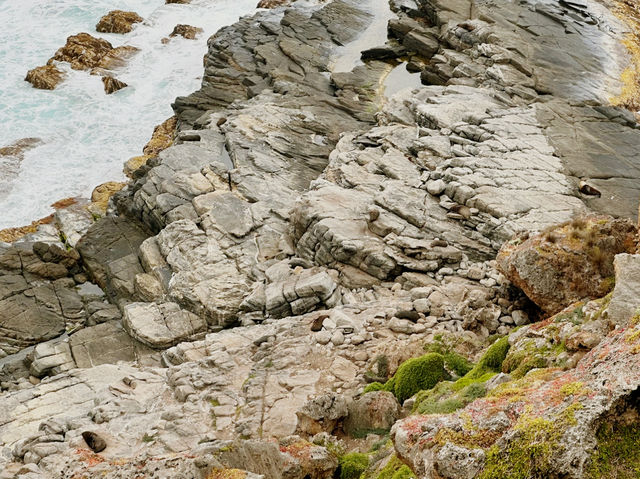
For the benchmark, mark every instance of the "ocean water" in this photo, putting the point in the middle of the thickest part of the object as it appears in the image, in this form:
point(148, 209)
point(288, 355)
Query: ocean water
point(86, 134)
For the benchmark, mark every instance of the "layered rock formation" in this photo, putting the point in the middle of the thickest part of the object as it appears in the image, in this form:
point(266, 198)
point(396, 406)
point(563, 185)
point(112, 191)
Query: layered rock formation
point(295, 236)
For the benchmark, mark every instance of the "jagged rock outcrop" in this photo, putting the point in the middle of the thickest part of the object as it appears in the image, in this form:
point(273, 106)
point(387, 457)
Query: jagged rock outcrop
point(82, 52)
point(118, 21)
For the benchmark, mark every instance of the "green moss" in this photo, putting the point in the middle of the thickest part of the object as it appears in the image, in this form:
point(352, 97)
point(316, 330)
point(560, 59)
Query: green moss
point(353, 465)
point(454, 362)
point(395, 469)
point(530, 453)
point(493, 358)
point(457, 363)
point(373, 387)
point(417, 374)
point(529, 356)
point(617, 455)
point(449, 396)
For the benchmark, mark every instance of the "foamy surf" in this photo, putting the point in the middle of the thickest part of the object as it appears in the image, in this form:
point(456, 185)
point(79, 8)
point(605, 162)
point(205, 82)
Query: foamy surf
point(86, 134)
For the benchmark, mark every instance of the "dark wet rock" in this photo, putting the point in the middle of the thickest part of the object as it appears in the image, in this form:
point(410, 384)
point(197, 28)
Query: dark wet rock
point(109, 250)
point(118, 21)
point(95, 442)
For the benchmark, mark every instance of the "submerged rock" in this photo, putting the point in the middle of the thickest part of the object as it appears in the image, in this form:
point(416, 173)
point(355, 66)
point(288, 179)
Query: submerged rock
point(118, 21)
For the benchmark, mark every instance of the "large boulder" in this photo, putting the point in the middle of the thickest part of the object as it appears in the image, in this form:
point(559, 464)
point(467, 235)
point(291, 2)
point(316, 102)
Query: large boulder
point(375, 413)
point(161, 325)
point(118, 21)
point(568, 263)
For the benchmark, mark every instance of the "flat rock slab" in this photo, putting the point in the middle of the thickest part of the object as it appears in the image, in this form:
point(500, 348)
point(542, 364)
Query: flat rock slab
point(161, 325)
point(106, 343)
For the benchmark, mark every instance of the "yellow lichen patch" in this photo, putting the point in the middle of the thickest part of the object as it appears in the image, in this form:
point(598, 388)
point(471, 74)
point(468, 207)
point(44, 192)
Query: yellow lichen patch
point(629, 12)
point(573, 389)
point(9, 235)
point(101, 195)
point(632, 336)
point(227, 474)
point(134, 163)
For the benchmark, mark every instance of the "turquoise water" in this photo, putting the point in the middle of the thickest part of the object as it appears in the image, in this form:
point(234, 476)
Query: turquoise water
point(87, 135)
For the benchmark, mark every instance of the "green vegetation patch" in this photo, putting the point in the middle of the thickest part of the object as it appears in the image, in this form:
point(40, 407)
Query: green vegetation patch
point(617, 455)
point(395, 469)
point(417, 374)
point(353, 465)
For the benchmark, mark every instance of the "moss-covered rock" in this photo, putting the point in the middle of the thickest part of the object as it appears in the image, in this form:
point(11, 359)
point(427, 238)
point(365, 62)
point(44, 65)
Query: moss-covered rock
point(449, 396)
point(417, 374)
point(352, 465)
point(395, 469)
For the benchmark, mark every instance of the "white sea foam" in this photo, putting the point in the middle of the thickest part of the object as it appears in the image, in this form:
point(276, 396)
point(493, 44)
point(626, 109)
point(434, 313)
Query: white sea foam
point(87, 134)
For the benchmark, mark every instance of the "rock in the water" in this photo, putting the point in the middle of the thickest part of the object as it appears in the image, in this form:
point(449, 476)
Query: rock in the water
point(95, 442)
point(273, 3)
point(567, 263)
point(186, 31)
point(46, 77)
point(112, 85)
point(118, 21)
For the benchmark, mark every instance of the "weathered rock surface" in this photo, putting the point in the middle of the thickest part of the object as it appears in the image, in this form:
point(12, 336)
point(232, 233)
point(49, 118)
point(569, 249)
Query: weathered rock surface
point(568, 263)
point(118, 21)
point(559, 410)
point(339, 232)
point(85, 52)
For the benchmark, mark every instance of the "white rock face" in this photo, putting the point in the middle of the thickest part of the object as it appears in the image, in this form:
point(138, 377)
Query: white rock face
point(161, 325)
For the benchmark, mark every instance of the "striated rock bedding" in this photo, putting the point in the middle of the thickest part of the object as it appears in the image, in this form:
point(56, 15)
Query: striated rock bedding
point(306, 277)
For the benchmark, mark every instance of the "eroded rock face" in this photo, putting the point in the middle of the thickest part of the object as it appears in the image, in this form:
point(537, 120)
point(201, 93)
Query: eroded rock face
point(118, 21)
point(568, 263)
point(46, 77)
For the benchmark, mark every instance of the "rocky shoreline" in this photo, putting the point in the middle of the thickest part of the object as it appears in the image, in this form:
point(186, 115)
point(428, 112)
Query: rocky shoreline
point(306, 278)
